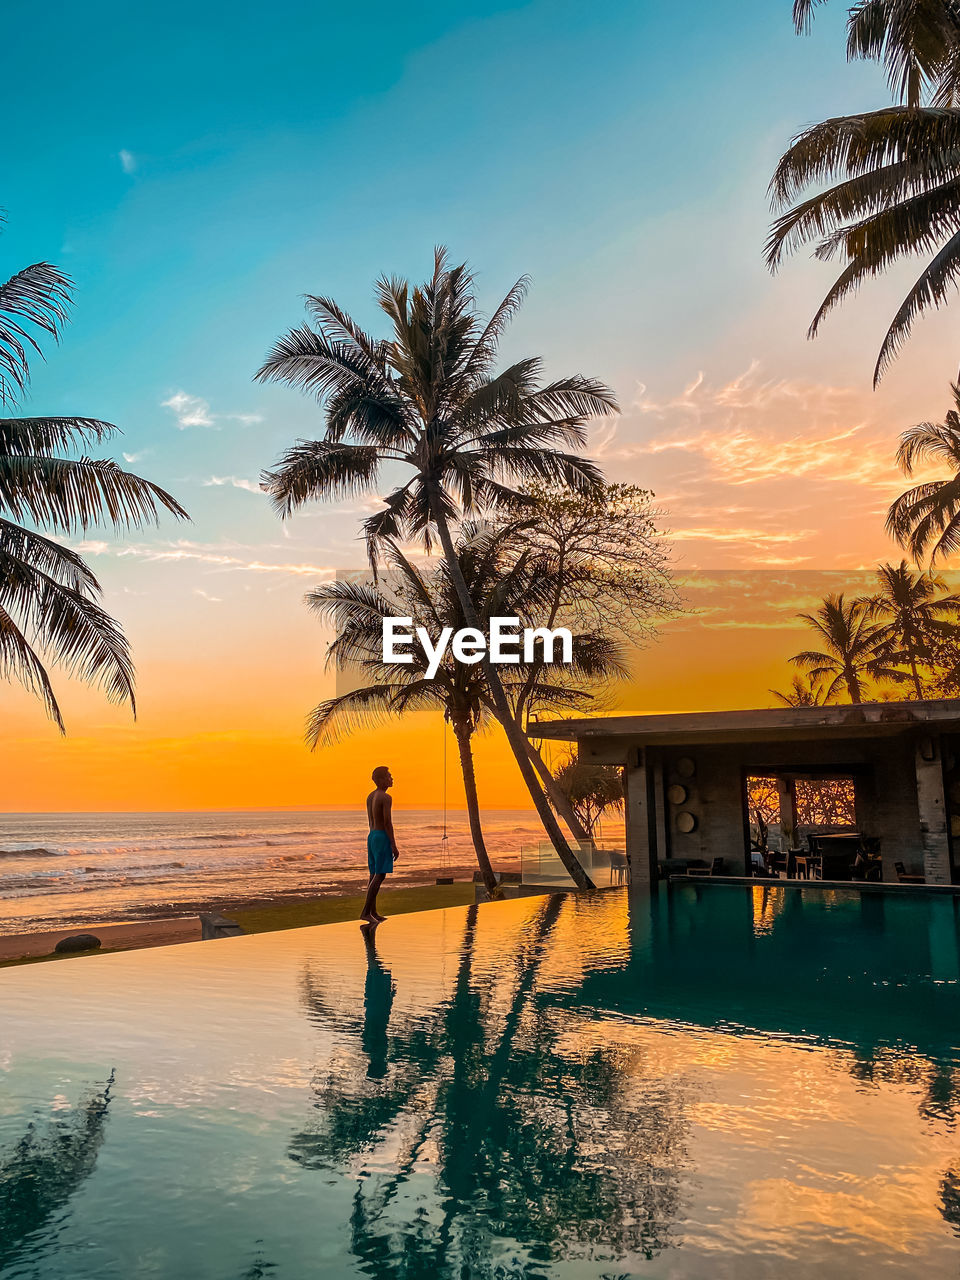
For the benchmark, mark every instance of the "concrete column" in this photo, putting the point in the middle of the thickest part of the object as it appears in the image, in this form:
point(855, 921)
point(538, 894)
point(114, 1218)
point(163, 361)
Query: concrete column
point(661, 839)
point(788, 813)
point(640, 852)
point(933, 811)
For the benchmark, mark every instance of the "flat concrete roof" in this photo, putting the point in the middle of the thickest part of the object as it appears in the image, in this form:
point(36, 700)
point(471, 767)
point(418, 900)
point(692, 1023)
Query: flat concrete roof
point(770, 724)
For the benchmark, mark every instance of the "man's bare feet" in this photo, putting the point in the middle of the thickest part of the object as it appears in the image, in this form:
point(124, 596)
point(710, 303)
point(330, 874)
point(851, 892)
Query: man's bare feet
point(367, 921)
point(378, 917)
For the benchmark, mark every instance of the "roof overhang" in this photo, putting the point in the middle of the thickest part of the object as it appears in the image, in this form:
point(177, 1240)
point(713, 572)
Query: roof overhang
point(778, 724)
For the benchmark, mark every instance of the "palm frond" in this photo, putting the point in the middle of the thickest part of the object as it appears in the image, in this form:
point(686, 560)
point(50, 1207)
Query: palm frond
point(46, 436)
point(314, 469)
point(75, 493)
point(19, 661)
point(35, 301)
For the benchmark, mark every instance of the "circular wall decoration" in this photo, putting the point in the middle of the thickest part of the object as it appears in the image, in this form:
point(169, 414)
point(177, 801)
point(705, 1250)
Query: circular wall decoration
point(686, 822)
point(677, 794)
point(686, 767)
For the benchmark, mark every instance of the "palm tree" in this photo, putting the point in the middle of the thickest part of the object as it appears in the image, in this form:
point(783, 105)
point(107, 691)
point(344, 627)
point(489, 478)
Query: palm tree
point(913, 618)
point(892, 176)
point(592, 789)
point(802, 693)
point(49, 597)
point(850, 642)
point(428, 401)
point(916, 41)
point(500, 586)
point(927, 517)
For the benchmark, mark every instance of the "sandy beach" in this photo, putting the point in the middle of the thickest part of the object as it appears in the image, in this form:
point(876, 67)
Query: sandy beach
point(417, 890)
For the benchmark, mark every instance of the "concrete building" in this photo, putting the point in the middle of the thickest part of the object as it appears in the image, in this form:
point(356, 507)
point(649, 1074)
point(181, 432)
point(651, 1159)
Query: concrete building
point(686, 778)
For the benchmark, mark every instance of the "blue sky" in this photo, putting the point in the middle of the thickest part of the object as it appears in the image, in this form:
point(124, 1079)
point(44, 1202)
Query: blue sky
point(197, 168)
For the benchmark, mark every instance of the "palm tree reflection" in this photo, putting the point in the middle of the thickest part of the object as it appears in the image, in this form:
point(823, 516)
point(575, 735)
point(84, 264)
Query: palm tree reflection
point(45, 1168)
point(482, 1141)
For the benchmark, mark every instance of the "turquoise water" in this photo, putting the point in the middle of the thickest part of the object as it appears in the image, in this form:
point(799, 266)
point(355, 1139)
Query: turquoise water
point(716, 1083)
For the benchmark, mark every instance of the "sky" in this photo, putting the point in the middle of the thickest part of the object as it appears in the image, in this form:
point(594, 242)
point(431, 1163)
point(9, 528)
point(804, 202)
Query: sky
point(197, 169)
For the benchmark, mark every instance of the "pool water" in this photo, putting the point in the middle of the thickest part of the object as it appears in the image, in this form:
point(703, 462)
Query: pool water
point(716, 1082)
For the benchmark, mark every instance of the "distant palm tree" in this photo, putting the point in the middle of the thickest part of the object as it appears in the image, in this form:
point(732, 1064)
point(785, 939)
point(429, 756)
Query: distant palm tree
point(592, 789)
point(850, 648)
point(429, 401)
point(926, 519)
point(49, 609)
point(913, 618)
point(802, 693)
point(886, 184)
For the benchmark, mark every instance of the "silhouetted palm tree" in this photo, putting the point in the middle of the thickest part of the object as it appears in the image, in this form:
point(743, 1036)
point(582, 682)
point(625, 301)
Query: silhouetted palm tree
point(850, 644)
point(429, 401)
point(802, 693)
point(49, 597)
point(886, 183)
point(592, 789)
point(914, 614)
point(500, 585)
point(917, 42)
point(926, 519)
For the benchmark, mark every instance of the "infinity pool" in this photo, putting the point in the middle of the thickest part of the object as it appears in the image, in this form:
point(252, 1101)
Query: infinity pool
point(716, 1083)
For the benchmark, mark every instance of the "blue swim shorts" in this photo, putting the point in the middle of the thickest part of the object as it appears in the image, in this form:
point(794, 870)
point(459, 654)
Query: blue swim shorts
point(379, 853)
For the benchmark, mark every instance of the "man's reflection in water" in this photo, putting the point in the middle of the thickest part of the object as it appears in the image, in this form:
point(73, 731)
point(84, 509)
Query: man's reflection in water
point(378, 993)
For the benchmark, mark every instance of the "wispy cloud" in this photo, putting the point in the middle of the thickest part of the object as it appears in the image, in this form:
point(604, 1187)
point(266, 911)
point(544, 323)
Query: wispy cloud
point(760, 537)
point(232, 482)
point(205, 595)
point(772, 472)
point(136, 457)
point(194, 411)
point(128, 161)
point(750, 430)
point(218, 557)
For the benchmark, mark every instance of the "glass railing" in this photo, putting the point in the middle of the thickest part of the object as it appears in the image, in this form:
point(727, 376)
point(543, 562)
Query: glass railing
point(605, 864)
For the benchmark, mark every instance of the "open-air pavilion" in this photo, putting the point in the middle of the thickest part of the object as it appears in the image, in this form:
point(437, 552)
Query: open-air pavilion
point(691, 783)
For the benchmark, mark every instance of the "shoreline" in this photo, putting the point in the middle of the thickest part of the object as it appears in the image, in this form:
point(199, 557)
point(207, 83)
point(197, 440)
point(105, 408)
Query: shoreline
point(170, 924)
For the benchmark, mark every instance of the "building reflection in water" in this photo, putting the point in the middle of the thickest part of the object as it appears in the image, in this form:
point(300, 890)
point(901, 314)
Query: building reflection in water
point(594, 1070)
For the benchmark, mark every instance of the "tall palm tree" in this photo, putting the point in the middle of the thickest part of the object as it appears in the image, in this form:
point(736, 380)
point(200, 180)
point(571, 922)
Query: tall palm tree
point(913, 618)
point(49, 597)
point(850, 642)
point(428, 400)
point(886, 183)
point(499, 587)
point(926, 519)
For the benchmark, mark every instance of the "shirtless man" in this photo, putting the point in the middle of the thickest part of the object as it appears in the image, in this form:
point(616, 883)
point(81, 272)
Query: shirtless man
point(381, 843)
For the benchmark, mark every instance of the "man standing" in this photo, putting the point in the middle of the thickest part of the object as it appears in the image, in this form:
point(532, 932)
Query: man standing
point(381, 842)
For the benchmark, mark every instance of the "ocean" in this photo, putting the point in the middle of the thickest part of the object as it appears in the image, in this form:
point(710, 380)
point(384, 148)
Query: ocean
point(61, 869)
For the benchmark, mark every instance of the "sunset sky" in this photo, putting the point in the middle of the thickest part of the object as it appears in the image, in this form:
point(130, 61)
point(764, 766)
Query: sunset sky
point(197, 170)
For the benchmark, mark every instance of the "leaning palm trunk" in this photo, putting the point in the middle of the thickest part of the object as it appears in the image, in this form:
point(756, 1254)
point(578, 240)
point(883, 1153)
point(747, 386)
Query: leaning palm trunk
point(515, 735)
point(462, 734)
point(559, 801)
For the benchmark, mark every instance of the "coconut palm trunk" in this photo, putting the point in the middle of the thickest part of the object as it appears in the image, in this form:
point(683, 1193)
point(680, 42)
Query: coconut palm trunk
point(515, 735)
point(559, 801)
point(463, 734)
point(853, 689)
